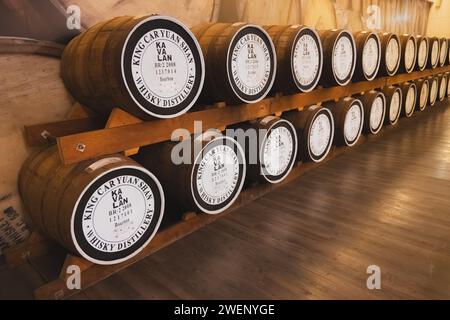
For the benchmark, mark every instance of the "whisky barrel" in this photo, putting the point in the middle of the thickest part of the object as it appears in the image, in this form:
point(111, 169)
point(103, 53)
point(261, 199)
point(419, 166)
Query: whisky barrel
point(151, 66)
point(409, 53)
point(339, 52)
point(374, 103)
point(240, 62)
point(442, 86)
point(434, 88)
point(423, 90)
point(393, 95)
point(434, 55)
point(209, 174)
point(299, 58)
point(391, 52)
point(368, 58)
point(422, 52)
point(315, 130)
point(106, 210)
point(443, 53)
point(348, 115)
point(448, 49)
point(409, 91)
point(270, 146)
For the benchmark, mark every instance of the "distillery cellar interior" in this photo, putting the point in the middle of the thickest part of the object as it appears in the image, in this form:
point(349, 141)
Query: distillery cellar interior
point(229, 150)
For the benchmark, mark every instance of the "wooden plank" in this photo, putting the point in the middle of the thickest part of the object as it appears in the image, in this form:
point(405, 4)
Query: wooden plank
point(113, 140)
point(35, 134)
point(35, 246)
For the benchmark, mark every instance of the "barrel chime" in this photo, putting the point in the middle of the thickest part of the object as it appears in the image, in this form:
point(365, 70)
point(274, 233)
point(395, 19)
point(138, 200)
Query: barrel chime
point(394, 100)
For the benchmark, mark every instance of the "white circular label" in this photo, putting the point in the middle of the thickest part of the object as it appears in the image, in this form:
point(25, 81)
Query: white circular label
point(320, 135)
point(118, 213)
point(435, 53)
point(433, 92)
point(278, 151)
point(410, 53)
point(392, 54)
point(352, 123)
point(343, 58)
point(424, 95)
point(306, 61)
point(422, 54)
point(409, 103)
point(370, 57)
point(250, 64)
point(443, 52)
point(217, 175)
point(442, 89)
point(376, 113)
point(163, 68)
point(394, 107)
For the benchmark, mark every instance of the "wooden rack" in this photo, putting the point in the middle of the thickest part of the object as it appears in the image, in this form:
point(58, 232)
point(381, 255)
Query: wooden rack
point(82, 137)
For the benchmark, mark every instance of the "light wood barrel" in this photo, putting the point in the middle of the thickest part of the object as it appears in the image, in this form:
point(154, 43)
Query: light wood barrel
point(299, 58)
point(434, 90)
point(409, 53)
point(106, 210)
point(434, 52)
point(339, 52)
point(423, 48)
point(409, 91)
point(443, 53)
point(394, 100)
point(315, 130)
point(391, 52)
point(270, 146)
point(423, 90)
point(368, 60)
point(348, 114)
point(150, 66)
point(443, 79)
point(208, 179)
point(240, 62)
point(374, 103)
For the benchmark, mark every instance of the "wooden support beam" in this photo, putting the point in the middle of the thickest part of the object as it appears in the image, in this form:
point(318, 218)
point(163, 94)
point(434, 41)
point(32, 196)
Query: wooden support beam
point(118, 139)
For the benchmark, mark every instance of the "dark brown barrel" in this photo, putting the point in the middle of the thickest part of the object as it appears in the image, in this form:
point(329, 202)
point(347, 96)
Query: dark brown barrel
point(409, 92)
point(423, 90)
point(348, 115)
point(315, 131)
point(374, 103)
point(442, 86)
point(409, 53)
point(106, 210)
point(368, 48)
point(205, 174)
point(299, 58)
point(434, 90)
point(270, 146)
point(434, 52)
point(339, 51)
point(391, 52)
point(150, 66)
point(423, 49)
point(240, 62)
point(443, 51)
point(393, 95)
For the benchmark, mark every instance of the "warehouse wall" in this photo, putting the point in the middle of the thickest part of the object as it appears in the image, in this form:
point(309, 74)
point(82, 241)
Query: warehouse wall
point(439, 21)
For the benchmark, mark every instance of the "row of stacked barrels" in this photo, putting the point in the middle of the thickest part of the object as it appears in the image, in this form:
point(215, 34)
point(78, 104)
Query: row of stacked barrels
point(109, 208)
